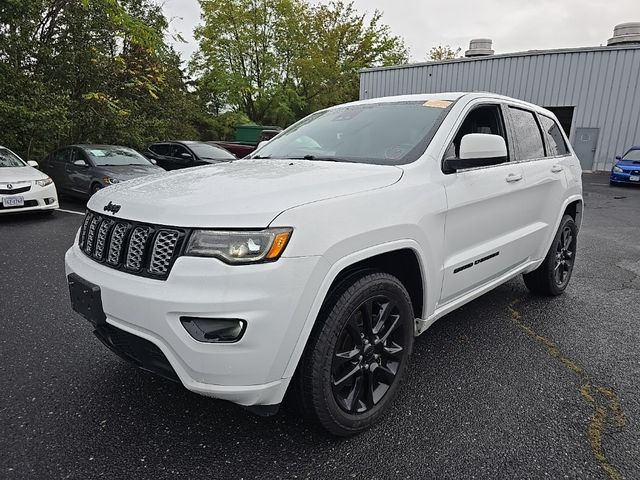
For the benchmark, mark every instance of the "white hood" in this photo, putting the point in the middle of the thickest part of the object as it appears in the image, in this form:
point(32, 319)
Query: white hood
point(19, 174)
point(244, 193)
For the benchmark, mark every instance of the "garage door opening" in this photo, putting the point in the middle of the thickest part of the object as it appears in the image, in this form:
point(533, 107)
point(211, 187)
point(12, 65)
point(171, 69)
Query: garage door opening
point(565, 117)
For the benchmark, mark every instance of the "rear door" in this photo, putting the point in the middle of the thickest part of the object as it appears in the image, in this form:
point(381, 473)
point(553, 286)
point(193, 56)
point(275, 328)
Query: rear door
point(484, 227)
point(543, 153)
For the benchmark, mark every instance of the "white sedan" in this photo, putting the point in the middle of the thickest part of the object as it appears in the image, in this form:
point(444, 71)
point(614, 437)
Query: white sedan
point(24, 188)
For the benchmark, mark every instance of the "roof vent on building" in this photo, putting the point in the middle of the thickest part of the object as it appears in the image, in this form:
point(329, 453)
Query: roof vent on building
point(479, 47)
point(625, 33)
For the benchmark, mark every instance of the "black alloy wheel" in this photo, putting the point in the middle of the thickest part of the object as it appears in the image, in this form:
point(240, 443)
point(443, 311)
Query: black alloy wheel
point(357, 353)
point(565, 254)
point(367, 355)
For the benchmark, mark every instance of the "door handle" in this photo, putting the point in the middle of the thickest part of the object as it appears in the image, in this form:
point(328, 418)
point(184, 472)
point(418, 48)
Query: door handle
point(556, 168)
point(513, 177)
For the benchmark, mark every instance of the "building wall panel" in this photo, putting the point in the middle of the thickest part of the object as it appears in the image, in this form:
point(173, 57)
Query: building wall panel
point(601, 83)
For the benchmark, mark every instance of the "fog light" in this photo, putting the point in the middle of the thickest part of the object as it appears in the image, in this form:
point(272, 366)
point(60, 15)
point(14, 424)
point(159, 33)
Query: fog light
point(214, 330)
point(49, 201)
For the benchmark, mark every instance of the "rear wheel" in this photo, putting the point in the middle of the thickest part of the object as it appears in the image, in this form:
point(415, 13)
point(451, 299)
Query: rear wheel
point(357, 354)
point(552, 276)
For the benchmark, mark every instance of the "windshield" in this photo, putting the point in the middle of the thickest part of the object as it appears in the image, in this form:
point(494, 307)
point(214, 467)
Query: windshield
point(204, 150)
point(10, 159)
point(109, 155)
point(380, 133)
point(633, 155)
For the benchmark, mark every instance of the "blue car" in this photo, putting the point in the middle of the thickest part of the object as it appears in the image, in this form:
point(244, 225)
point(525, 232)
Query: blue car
point(626, 168)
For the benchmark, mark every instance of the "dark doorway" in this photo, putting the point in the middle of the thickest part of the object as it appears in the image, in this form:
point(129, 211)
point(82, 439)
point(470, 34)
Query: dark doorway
point(565, 117)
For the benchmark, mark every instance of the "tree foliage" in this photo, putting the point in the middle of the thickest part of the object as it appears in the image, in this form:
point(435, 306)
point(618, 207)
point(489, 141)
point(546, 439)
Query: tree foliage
point(278, 60)
point(443, 52)
point(88, 71)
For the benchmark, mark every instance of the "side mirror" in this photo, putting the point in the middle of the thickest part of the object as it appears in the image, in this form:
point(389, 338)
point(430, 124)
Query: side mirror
point(478, 150)
point(33, 163)
point(152, 160)
point(80, 163)
point(262, 144)
point(186, 155)
point(618, 157)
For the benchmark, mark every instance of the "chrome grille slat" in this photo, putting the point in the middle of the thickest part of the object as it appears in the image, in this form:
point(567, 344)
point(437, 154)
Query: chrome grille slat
point(162, 253)
point(137, 247)
point(115, 246)
point(91, 234)
point(129, 246)
point(101, 239)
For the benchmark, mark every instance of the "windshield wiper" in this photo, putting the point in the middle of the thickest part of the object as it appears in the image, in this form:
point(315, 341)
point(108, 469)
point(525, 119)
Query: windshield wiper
point(261, 157)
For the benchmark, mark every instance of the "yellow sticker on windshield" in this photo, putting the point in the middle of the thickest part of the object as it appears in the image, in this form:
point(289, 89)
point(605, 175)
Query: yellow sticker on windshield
point(437, 103)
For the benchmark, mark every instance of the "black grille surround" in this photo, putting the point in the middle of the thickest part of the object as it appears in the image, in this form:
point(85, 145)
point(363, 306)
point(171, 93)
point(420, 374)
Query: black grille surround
point(6, 191)
point(133, 247)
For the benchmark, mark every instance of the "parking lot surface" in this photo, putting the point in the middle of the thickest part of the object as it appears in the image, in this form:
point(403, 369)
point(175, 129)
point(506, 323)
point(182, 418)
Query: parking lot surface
point(509, 386)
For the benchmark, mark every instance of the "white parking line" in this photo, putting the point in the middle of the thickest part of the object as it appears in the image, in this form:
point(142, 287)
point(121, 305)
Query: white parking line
point(69, 211)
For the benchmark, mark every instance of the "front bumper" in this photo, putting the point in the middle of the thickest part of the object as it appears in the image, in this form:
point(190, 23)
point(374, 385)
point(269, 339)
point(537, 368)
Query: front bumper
point(624, 177)
point(34, 200)
point(274, 299)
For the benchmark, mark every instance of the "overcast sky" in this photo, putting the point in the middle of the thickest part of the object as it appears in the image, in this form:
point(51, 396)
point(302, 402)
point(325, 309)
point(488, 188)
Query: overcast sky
point(514, 25)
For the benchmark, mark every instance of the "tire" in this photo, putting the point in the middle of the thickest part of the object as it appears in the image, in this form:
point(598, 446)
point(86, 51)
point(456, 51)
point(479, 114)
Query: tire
point(351, 369)
point(552, 276)
point(94, 189)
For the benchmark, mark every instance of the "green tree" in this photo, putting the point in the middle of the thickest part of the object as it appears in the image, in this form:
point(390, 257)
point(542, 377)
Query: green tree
point(278, 60)
point(443, 52)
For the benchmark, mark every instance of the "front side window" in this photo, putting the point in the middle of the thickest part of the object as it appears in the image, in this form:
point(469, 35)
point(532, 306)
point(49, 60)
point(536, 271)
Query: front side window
point(179, 152)
point(161, 149)
point(482, 119)
point(63, 155)
point(557, 145)
point(387, 133)
point(112, 155)
point(10, 159)
point(526, 132)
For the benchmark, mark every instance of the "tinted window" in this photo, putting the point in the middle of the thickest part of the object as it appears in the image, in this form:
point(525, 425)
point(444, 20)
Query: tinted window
point(482, 119)
point(557, 145)
point(115, 155)
point(380, 133)
point(9, 159)
point(161, 148)
point(63, 155)
point(527, 137)
point(178, 150)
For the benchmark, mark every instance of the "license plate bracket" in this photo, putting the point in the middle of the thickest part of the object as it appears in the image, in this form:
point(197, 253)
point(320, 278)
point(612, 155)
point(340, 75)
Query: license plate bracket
point(15, 201)
point(86, 299)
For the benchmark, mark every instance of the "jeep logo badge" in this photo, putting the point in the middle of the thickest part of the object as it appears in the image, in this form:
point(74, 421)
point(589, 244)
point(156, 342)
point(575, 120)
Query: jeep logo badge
point(112, 207)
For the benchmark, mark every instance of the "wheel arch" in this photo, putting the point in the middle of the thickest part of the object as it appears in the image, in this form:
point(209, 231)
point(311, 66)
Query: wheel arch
point(391, 258)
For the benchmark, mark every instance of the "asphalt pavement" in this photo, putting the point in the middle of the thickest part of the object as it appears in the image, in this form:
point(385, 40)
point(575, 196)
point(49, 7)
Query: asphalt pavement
point(509, 386)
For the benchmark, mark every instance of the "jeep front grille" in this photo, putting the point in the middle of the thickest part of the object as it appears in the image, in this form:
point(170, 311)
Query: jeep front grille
point(133, 247)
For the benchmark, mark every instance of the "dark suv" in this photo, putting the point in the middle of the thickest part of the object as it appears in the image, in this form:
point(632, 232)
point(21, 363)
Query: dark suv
point(175, 155)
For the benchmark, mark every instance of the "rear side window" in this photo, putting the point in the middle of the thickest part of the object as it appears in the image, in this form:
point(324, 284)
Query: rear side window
point(63, 155)
point(526, 133)
point(557, 145)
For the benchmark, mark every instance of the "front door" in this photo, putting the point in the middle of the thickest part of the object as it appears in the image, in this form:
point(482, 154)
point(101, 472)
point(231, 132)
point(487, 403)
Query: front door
point(585, 144)
point(484, 225)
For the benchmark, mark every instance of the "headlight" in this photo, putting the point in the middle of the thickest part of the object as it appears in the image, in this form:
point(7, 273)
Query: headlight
point(617, 169)
point(110, 180)
point(237, 247)
point(44, 182)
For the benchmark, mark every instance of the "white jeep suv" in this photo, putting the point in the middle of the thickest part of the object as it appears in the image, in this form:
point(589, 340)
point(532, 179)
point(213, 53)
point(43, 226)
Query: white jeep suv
point(314, 263)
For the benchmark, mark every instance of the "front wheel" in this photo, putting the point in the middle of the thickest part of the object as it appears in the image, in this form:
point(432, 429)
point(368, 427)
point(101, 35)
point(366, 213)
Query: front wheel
point(357, 354)
point(552, 276)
